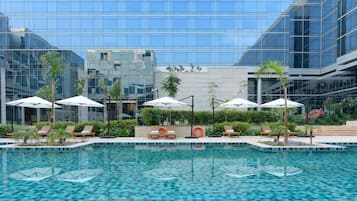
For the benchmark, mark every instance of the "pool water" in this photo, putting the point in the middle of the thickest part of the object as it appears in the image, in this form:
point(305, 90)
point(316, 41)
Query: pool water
point(181, 172)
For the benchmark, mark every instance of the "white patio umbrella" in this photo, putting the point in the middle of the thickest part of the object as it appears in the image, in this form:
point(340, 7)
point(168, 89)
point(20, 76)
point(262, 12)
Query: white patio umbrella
point(280, 103)
point(165, 102)
point(32, 102)
point(238, 103)
point(79, 101)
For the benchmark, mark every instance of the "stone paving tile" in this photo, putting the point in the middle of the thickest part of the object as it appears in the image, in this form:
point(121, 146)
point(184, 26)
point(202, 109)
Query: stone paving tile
point(252, 140)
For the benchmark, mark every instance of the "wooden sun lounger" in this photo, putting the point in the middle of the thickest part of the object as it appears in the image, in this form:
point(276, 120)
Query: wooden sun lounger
point(230, 132)
point(87, 131)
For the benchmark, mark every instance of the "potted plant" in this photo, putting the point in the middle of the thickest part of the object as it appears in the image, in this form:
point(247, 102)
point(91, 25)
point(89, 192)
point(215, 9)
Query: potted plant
point(61, 134)
point(277, 130)
point(26, 134)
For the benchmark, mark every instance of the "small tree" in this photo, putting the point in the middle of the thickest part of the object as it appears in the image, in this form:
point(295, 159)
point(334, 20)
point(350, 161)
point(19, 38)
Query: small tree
point(275, 67)
point(170, 84)
point(212, 86)
point(277, 130)
point(115, 93)
point(61, 134)
point(52, 67)
point(26, 134)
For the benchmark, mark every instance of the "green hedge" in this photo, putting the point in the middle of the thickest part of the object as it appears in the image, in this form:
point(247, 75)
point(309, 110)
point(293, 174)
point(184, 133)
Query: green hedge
point(218, 128)
point(291, 125)
point(155, 116)
point(118, 128)
point(4, 128)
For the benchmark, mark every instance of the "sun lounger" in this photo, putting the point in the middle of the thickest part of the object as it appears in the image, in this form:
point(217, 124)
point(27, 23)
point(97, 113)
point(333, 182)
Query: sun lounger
point(228, 130)
point(44, 131)
point(70, 129)
point(154, 132)
point(292, 133)
point(87, 131)
point(171, 132)
point(266, 130)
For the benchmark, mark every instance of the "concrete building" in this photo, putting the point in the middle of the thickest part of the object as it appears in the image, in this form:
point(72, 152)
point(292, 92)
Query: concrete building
point(221, 82)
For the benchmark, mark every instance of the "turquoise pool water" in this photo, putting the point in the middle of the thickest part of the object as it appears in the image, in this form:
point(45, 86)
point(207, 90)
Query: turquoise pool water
point(182, 172)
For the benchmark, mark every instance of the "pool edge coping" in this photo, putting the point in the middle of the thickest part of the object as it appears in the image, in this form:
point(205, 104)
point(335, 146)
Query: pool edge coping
point(319, 147)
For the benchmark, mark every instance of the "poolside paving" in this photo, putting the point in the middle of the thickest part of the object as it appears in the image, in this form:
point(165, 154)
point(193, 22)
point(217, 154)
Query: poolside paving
point(320, 143)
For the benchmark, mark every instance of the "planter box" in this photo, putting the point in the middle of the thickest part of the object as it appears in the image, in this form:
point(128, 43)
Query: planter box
point(181, 131)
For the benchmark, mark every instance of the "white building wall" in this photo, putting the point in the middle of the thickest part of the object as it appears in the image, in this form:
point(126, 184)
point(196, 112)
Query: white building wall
point(231, 82)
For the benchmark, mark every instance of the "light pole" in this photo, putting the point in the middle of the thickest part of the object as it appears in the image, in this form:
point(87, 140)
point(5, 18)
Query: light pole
point(213, 106)
point(108, 121)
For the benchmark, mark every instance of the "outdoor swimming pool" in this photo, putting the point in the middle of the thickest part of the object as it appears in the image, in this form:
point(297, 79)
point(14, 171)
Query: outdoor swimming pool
point(181, 172)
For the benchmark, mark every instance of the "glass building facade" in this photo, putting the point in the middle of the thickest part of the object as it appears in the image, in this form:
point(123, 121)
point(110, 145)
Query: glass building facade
point(133, 68)
point(181, 32)
point(22, 74)
point(314, 39)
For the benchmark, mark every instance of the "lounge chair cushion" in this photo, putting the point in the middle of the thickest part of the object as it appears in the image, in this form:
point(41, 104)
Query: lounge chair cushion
point(85, 132)
point(229, 131)
point(170, 132)
point(267, 131)
point(154, 132)
point(42, 132)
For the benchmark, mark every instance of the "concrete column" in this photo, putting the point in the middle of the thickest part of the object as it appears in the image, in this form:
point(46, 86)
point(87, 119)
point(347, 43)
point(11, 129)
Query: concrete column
point(259, 92)
point(22, 116)
point(38, 114)
point(84, 110)
point(2, 95)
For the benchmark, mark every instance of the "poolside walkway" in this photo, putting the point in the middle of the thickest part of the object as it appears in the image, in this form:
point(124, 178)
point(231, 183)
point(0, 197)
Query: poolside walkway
point(254, 141)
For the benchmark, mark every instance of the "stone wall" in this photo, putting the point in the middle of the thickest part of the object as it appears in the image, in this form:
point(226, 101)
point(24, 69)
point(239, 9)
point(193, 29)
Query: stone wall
point(231, 83)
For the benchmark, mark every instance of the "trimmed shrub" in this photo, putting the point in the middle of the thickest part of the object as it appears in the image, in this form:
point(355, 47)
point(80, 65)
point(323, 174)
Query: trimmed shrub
point(298, 119)
point(155, 116)
point(120, 128)
point(64, 124)
point(151, 116)
point(4, 129)
point(237, 126)
point(97, 126)
point(41, 124)
point(291, 125)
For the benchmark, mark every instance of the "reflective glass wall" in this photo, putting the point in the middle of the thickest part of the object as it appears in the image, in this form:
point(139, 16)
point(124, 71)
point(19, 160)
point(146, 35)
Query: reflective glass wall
point(201, 32)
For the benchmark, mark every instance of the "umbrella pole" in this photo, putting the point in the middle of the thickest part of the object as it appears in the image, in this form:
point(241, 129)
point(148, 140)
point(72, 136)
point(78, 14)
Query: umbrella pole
point(13, 118)
point(108, 125)
point(192, 118)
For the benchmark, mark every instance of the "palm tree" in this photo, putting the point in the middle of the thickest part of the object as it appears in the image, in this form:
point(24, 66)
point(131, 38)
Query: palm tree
point(79, 85)
point(274, 67)
point(52, 63)
point(115, 93)
point(170, 84)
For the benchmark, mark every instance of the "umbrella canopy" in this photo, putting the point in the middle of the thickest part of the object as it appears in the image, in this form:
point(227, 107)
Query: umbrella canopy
point(166, 102)
point(32, 102)
point(80, 101)
point(280, 103)
point(238, 103)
